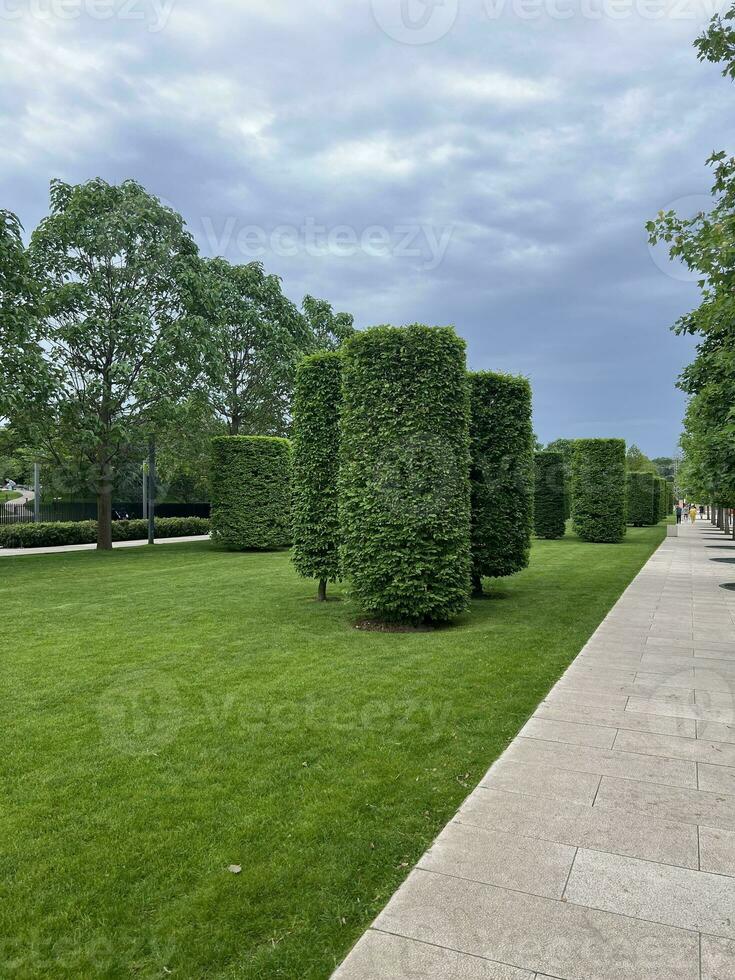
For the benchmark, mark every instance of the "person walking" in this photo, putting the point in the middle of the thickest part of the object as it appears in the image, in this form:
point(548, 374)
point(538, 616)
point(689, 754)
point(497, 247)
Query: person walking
point(701, 512)
point(693, 514)
point(679, 512)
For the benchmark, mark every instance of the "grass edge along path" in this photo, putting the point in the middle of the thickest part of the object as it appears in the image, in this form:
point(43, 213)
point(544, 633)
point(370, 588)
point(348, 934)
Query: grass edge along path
point(172, 712)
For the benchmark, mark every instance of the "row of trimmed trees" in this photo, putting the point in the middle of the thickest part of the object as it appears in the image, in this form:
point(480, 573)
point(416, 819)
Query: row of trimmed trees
point(605, 494)
point(409, 477)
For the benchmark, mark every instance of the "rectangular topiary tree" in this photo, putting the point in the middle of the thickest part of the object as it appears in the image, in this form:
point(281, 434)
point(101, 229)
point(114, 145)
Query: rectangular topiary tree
point(598, 490)
point(642, 504)
point(250, 492)
point(501, 474)
point(315, 443)
point(550, 496)
point(403, 487)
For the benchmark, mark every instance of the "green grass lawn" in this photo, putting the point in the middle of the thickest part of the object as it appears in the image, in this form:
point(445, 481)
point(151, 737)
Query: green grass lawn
point(168, 712)
point(6, 495)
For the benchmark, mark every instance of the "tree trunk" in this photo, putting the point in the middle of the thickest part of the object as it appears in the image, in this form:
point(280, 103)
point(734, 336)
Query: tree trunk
point(321, 595)
point(477, 592)
point(104, 509)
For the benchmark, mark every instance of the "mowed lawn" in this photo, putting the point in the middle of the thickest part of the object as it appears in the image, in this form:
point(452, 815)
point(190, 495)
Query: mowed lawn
point(169, 712)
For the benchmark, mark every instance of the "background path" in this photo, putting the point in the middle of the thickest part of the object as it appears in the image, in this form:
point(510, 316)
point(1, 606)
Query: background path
point(601, 844)
point(61, 549)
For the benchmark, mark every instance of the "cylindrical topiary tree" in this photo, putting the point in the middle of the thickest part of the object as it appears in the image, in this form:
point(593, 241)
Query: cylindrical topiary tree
point(315, 468)
point(598, 490)
point(250, 492)
point(501, 474)
point(549, 496)
point(658, 501)
point(641, 499)
point(403, 486)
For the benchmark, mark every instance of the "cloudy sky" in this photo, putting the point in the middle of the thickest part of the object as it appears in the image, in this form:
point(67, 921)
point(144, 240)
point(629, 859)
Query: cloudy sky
point(485, 163)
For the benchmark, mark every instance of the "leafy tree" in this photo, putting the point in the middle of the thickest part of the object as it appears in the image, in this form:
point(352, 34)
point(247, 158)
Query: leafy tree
point(259, 336)
point(637, 461)
point(706, 244)
point(20, 356)
point(328, 329)
point(116, 273)
point(665, 465)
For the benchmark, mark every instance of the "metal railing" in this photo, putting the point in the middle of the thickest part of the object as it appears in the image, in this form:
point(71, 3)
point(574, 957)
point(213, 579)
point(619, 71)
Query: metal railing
point(63, 510)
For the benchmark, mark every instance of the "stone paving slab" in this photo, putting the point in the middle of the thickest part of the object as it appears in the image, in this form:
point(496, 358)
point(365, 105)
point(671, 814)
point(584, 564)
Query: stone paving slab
point(601, 844)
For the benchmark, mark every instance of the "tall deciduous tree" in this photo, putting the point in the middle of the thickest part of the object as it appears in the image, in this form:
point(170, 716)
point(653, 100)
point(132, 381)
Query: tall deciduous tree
point(259, 337)
point(328, 329)
point(116, 271)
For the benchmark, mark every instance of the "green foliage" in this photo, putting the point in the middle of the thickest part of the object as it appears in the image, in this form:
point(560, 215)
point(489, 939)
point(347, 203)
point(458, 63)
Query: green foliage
point(54, 533)
point(642, 500)
point(566, 448)
point(403, 488)
point(598, 489)
point(314, 508)
point(21, 362)
point(259, 336)
point(501, 474)
point(250, 492)
point(115, 273)
point(637, 461)
point(328, 329)
point(705, 243)
point(549, 496)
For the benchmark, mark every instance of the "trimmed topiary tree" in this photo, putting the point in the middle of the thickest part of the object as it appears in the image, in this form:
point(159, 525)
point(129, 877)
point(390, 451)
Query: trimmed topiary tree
point(250, 492)
point(642, 504)
point(315, 469)
point(658, 495)
point(501, 474)
point(550, 496)
point(403, 486)
point(598, 490)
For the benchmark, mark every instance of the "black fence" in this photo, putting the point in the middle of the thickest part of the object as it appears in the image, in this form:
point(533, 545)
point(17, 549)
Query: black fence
point(62, 510)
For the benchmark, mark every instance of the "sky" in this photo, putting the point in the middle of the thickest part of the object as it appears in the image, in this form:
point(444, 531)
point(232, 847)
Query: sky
point(488, 164)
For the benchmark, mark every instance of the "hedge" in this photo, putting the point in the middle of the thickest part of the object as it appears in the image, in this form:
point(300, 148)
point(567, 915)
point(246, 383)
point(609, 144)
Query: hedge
point(315, 467)
point(250, 492)
point(598, 489)
point(403, 485)
point(642, 500)
point(550, 496)
point(54, 533)
point(501, 474)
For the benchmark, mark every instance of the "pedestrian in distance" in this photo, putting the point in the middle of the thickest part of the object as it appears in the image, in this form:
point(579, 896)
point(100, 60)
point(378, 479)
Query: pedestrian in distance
point(679, 512)
point(693, 514)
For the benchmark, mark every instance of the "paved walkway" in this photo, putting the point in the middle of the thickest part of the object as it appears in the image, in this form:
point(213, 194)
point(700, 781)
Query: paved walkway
point(62, 549)
point(601, 845)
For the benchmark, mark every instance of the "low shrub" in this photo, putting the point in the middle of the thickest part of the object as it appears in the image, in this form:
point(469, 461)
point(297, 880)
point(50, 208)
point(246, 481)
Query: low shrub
point(550, 497)
point(56, 533)
point(250, 492)
point(598, 490)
